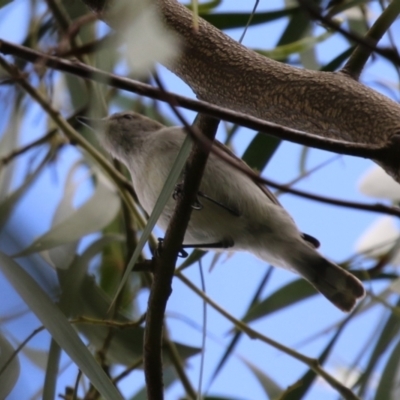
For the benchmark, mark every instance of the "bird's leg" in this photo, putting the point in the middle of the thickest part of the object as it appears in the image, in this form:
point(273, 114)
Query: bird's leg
point(223, 244)
point(178, 192)
point(198, 206)
point(234, 212)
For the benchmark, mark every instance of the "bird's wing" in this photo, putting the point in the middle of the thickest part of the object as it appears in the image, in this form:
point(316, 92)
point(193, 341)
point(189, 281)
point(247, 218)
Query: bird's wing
point(308, 238)
point(245, 167)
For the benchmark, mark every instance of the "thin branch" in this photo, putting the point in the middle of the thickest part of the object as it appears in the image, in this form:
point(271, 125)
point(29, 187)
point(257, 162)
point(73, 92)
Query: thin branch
point(20, 347)
point(291, 135)
point(358, 59)
point(126, 372)
point(42, 140)
point(165, 266)
point(124, 186)
point(376, 208)
point(15, 153)
point(179, 368)
point(238, 164)
point(368, 43)
point(65, 23)
point(253, 334)
point(242, 119)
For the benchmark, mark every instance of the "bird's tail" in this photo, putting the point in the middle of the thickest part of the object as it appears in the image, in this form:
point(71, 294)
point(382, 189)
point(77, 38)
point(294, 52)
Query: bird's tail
point(339, 286)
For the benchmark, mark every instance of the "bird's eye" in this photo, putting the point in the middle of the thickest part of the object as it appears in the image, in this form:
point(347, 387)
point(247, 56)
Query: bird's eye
point(127, 116)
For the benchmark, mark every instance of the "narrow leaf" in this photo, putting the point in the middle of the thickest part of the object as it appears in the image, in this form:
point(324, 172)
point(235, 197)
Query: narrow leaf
point(260, 151)
point(58, 326)
point(239, 20)
point(10, 375)
point(285, 296)
point(94, 215)
point(270, 387)
point(388, 387)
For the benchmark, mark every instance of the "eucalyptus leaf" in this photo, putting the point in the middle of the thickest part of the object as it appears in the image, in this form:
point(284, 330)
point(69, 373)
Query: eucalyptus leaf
point(205, 7)
point(387, 334)
point(92, 216)
point(301, 387)
point(239, 20)
point(5, 2)
point(58, 326)
point(388, 387)
point(53, 362)
point(285, 296)
point(298, 25)
point(126, 346)
point(299, 46)
point(270, 387)
point(8, 143)
point(72, 280)
point(260, 151)
point(10, 375)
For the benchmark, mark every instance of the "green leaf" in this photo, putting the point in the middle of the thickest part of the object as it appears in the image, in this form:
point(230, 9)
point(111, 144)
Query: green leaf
point(53, 362)
point(205, 7)
point(388, 387)
point(237, 335)
point(58, 326)
point(270, 387)
point(296, 28)
point(341, 6)
point(385, 337)
point(73, 279)
point(301, 387)
point(260, 151)
point(126, 345)
point(9, 376)
point(339, 60)
point(239, 20)
point(8, 143)
point(286, 296)
point(92, 216)
point(298, 46)
point(4, 3)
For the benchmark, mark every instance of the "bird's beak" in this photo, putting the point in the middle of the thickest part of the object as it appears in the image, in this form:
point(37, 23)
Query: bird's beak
point(92, 123)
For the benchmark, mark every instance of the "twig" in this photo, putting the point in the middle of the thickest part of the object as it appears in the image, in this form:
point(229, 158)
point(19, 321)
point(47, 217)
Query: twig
point(15, 153)
point(312, 363)
point(376, 208)
point(368, 43)
point(125, 373)
point(20, 347)
point(122, 183)
point(165, 266)
point(291, 135)
point(179, 368)
point(358, 59)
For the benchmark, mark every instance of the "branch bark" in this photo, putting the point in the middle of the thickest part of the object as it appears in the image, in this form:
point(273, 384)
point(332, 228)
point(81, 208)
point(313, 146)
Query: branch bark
point(165, 264)
point(223, 72)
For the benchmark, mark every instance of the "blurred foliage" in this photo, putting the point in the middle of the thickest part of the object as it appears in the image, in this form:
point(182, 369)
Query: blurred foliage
point(67, 260)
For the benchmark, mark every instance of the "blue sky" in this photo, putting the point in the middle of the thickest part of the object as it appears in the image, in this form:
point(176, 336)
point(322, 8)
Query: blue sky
point(232, 282)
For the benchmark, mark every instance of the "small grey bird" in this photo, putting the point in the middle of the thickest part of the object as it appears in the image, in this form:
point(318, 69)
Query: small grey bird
point(231, 209)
